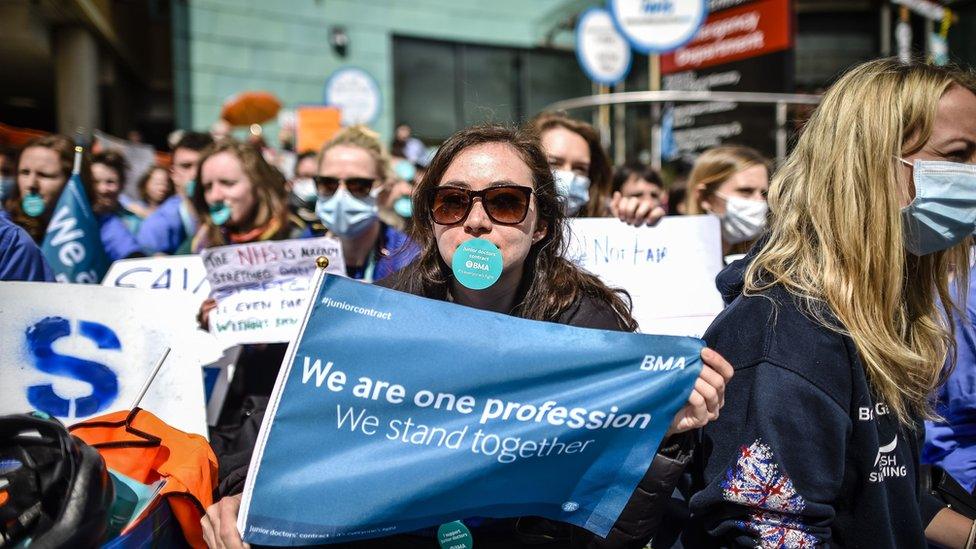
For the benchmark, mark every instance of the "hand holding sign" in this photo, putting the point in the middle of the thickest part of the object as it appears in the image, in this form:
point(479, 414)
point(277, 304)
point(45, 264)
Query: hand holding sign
point(376, 378)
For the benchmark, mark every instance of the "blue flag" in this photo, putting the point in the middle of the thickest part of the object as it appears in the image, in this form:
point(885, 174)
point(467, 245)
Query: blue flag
point(394, 413)
point(73, 242)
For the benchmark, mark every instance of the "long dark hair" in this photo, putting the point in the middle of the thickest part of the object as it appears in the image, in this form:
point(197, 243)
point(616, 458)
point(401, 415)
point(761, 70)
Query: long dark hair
point(601, 170)
point(550, 283)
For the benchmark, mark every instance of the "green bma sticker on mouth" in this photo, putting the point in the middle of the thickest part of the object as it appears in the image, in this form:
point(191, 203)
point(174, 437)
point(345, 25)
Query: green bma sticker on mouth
point(32, 204)
point(219, 213)
point(477, 264)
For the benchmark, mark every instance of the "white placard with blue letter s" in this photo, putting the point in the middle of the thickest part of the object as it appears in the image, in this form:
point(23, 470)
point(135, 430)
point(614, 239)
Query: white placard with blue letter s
point(393, 413)
point(78, 351)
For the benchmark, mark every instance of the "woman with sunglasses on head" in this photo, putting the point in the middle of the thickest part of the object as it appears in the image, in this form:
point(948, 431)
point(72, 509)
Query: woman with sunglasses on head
point(584, 174)
point(494, 184)
point(353, 169)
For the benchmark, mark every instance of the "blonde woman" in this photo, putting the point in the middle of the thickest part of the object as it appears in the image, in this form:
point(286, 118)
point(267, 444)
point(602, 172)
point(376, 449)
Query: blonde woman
point(731, 182)
point(353, 169)
point(837, 335)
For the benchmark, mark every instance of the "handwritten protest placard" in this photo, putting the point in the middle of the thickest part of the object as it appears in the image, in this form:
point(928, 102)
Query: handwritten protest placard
point(428, 412)
point(669, 269)
point(179, 273)
point(262, 288)
point(78, 351)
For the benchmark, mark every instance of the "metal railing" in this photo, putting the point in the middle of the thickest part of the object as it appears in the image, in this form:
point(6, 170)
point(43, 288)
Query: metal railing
point(780, 100)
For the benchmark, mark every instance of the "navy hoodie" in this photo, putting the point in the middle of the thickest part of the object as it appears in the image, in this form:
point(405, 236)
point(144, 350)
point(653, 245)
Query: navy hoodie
point(802, 454)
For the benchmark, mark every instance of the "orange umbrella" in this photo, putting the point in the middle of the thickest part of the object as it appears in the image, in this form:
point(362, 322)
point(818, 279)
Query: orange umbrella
point(254, 107)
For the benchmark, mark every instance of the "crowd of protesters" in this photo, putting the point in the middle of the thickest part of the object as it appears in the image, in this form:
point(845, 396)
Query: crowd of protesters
point(847, 289)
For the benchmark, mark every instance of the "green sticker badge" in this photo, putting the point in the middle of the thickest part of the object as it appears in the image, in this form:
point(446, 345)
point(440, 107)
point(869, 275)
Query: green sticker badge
point(454, 535)
point(477, 264)
point(32, 204)
point(219, 213)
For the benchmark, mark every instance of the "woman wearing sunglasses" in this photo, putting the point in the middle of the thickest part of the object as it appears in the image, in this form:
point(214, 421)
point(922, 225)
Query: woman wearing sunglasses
point(352, 169)
point(494, 184)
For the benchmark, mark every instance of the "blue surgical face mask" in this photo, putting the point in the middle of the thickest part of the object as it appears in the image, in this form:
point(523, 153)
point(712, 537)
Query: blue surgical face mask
point(944, 210)
point(403, 206)
point(191, 187)
point(573, 190)
point(7, 185)
point(344, 214)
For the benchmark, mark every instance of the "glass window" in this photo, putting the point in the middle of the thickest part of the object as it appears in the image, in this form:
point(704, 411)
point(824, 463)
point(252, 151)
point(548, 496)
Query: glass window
point(425, 95)
point(441, 87)
point(489, 81)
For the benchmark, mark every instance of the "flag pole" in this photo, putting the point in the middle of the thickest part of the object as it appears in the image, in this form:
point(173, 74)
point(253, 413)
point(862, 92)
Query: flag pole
point(152, 376)
point(77, 169)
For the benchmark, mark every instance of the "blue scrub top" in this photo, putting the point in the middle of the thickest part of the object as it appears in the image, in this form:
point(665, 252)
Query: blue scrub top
point(20, 258)
point(951, 444)
point(116, 238)
point(166, 228)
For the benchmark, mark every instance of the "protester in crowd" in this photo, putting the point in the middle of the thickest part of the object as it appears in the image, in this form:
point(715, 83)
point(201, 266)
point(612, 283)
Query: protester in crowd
point(155, 187)
point(584, 174)
point(405, 145)
point(115, 222)
point(731, 182)
point(174, 221)
point(394, 196)
point(950, 440)
point(20, 258)
point(8, 171)
point(43, 170)
point(523, 218)
point(352, 169)
point(641, 182)
point(240, 198)
point(302, 193)
point(835, 323)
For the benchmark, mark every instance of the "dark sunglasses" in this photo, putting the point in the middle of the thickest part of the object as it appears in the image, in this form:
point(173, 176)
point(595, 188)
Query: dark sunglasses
point(505, 204)
point(357, 186)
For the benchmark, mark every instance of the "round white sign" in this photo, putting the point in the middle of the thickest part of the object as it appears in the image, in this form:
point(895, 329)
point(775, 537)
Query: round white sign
point(601, 50)
point(355, 93)
point(658, 26)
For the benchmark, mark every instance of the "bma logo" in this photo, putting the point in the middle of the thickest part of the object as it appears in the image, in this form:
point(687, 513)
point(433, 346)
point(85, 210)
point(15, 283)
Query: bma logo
point(655, 363)
point(657, 6)
point(103, 381)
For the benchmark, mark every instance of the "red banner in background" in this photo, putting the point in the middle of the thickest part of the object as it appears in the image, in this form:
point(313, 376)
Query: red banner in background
point(757, 28)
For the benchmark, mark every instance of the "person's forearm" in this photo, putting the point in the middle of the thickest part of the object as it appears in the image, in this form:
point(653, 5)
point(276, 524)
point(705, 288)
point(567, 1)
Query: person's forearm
point(949, 529)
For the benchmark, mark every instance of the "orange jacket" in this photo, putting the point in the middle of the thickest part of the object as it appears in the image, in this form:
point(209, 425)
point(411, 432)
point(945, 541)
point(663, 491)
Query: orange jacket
point(140, 445)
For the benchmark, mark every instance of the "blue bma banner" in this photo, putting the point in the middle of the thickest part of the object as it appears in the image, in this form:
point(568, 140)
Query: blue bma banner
point(394, 412)
point(73, 243)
